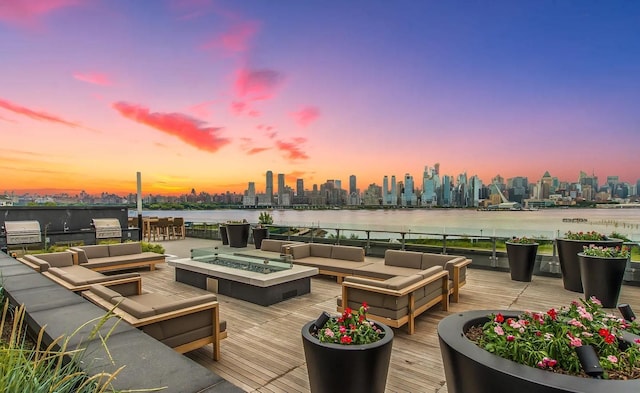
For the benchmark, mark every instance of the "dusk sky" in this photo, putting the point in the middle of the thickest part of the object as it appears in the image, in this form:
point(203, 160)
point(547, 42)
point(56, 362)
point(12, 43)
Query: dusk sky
point(211, 94)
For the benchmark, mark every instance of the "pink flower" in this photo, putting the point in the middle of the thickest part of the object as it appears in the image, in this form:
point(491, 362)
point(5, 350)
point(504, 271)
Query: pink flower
point(595, 300)
point(343, 329)
point(612, 359)
point(328, 332)
point(576, 323)
point(498, 330)
point(574, 341)
point(510, 337)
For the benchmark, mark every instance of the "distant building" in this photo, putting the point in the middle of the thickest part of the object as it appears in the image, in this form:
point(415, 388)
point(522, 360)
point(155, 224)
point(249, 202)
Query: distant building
point(269, 189)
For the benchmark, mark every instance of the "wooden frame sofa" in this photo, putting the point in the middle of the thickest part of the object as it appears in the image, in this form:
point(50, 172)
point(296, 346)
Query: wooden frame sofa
point(398, 300)
point(184, 324)
point(405, 263)
point(331, 260)
point(118, 256)
point(60, 268)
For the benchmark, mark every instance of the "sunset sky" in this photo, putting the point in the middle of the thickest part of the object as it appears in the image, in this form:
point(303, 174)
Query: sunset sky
point(210, 94)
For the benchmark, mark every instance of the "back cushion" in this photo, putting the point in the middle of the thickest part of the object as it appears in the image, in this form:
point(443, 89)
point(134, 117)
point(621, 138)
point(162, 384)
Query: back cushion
point(134, 308)
point(271, 245)
point(348, 253)
point(410, 259)
point(58, 259)
point(429, 260)
point(184, 303)
point(115, 250)
point(300, 251)
point(96, 251)
point(399, 282)
point(320, 250)
point(43, 265)
point(104, 292)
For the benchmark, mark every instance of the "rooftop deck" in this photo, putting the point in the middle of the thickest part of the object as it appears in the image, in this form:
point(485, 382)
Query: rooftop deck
point(263, 351)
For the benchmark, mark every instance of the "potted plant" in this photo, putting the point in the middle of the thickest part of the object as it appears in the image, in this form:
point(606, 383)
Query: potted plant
point(521, 252)
point(488, 351)
point(568, 249)
point(601, 271)
point(238, 233)
point(260, 232)
point(223, 234)
point(347, 353)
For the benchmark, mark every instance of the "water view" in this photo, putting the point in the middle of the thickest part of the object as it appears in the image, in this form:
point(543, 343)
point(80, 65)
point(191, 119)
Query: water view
point(547, 223)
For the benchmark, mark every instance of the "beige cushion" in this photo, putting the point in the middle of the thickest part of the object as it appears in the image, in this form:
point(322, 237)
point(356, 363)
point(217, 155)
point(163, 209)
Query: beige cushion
point(271, 245)
point(134, 308)
point(42, 265)
point(400, 282)
point(124, 249)
point(365, 281)
point(104, 292)
point(382, 271)
point(300, 251)
point(99, 251)
point(184, 303)
point(320, 250)
point(408, 259)
point(348, 253)
point(429, 260)
point(430, 271)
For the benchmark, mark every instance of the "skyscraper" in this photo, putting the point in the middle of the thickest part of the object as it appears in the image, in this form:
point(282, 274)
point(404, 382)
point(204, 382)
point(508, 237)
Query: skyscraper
point(352, 184)
point(300, 187)
point(269, 189)
point(280, 188)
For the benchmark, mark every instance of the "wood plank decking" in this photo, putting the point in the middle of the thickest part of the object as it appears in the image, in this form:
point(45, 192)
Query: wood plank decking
point(263, 350)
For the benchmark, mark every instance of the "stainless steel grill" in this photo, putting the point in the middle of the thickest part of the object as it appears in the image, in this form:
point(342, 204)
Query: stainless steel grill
point(107, 228)
point(22, 232)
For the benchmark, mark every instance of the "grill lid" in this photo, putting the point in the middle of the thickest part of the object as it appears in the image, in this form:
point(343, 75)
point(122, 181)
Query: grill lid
point(107, 228)
point(22, 232)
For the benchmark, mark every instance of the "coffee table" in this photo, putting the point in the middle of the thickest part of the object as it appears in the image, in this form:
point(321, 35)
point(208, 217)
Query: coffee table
point(263, 281)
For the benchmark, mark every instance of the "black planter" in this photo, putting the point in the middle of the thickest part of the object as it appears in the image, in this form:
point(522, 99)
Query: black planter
point(470, 369)
point(568, 256)
point(602, 278)
point(238, 234)
point(259, 234)
point(223, 235)
point(522, 258)
point(347, 368)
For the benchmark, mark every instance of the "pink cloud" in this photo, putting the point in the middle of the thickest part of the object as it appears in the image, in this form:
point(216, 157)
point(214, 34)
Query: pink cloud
point(257, 85)
point(237, 107)
point(306, 115)
point(36, 115)
point(236, 40)
point(95, 78)
point(257, 150)
point(187, 129)
point(7, 120)
point(202, 109)
point(253, 113)
point(27, 13)
point(292, 150)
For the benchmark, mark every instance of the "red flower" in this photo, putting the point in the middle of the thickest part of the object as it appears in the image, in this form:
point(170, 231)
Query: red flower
point(610, 339)
point(365, 306)
point(552, 313)
point(345, 339)
point(499, 318)
point(361, 318)
point(603, 332)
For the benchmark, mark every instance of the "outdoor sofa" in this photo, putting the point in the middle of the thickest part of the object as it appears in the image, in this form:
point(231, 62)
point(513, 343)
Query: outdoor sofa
point(270, 248)
point(60, 267)
point(331, 260)
point(182, 324)
point(118, 256)
point(407, 263)
point(398, 300)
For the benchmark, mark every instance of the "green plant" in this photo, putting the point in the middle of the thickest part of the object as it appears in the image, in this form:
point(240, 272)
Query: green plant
point(521, 240)
point(616, 235)
point(548, 340)
point(265, 218)
point(352, 327)
point(152, 247)
point(591, 235)
point(606, 252)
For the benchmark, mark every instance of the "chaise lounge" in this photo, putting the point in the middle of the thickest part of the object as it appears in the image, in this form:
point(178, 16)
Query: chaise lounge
point(183, 325)
point(60, 268)
point(118, 256)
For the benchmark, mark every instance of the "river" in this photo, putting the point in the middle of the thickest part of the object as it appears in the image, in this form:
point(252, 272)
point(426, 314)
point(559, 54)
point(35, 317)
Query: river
point(548, 223)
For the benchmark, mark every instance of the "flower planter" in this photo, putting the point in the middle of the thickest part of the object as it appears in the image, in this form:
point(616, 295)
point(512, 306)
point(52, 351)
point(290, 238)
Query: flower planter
point(223, 235)
point(347, 368)
point(602, 278)
point(259, 234)
point(238, 234)
point(470, 369)
point(522, 258)
point(568, 257)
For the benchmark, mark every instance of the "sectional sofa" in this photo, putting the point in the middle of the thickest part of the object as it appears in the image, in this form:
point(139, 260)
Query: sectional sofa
point(60, 268)
point(270, 248)
point(105, 257)
point(331, 260)
point(182, 324)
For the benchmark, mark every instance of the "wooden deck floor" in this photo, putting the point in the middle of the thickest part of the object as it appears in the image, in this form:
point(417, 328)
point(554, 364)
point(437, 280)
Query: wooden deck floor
point(263, 352)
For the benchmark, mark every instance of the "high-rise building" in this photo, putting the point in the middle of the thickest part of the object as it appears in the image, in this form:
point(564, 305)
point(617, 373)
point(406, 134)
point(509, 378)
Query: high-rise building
point(408, 196)
point(352, 184)
point(269, 188)
point(249, 198)
point(300, 187)
point(281, 189)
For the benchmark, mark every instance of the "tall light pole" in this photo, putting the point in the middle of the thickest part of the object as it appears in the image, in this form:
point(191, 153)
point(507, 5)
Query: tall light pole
point(139, 205)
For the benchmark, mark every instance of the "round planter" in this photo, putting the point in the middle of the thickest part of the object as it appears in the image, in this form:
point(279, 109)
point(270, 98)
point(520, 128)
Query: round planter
point(470, 369)
point(347, 368)
point(238, 234)
point(522, 258)
point(602, 278)
point(259, 234)
point(568, 257)
point(223, 235)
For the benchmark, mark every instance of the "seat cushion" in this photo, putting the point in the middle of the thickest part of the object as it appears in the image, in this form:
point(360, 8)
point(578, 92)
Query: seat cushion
point(104, 292)
point(137, 310)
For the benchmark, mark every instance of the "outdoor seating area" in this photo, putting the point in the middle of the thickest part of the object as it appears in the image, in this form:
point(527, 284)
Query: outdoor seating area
point(106, 257)
point(163, 228)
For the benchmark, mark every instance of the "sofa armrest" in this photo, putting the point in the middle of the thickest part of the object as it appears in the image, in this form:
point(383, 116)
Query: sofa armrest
point(35, 263)
point(80, 255)
point(367, 284)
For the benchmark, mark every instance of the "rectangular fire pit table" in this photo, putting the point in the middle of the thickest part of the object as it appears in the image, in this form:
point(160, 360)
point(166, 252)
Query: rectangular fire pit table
point(257, 280)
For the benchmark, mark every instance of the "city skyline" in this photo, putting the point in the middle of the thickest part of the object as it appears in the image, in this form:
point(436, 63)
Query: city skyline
point(208, 94)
